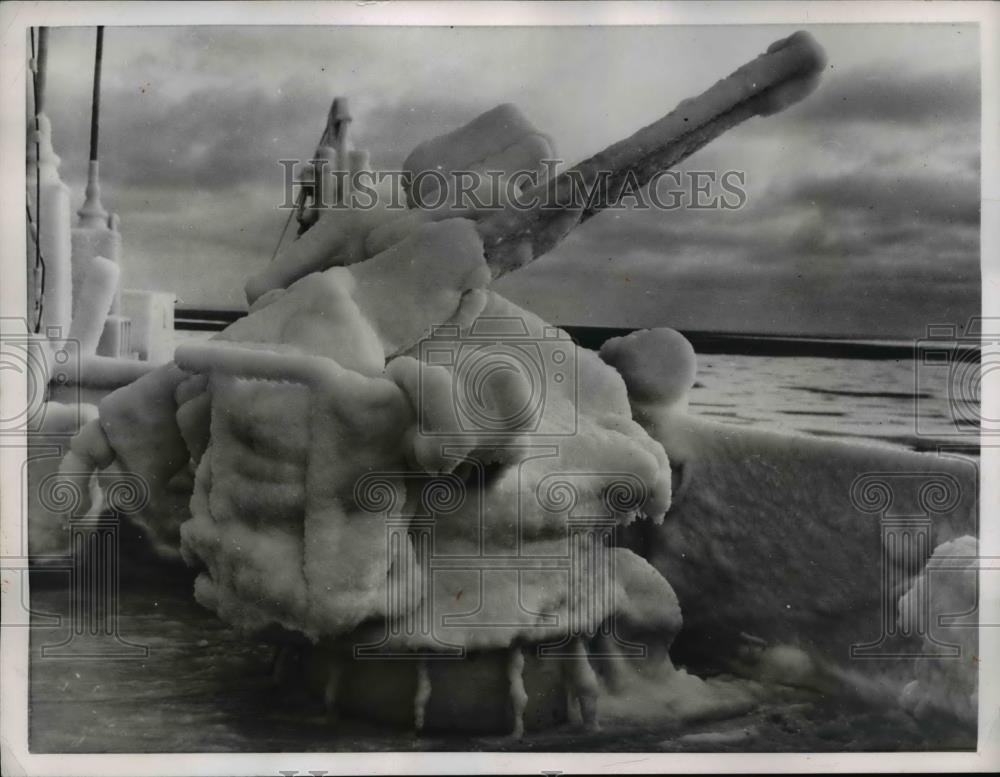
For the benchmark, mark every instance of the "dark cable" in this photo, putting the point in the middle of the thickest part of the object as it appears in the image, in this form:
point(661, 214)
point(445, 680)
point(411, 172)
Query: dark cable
point(96, 102)
point(41, 263)
point(36, 57)
point(302, 194)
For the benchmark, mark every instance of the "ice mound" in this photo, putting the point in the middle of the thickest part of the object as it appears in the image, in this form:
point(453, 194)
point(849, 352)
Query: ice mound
point(47, 535)
point(528, 477)
point(486, 557)
point(136, 432)
point(501, 139)
point(947, 681)
point(356, 316)
point(359, 315)
point(658, 365)
point(650, 693)
point(338, 239)
point(785, 541)
point(275, 524)
point(288, 537)
point(95, 284)
point(302, 407)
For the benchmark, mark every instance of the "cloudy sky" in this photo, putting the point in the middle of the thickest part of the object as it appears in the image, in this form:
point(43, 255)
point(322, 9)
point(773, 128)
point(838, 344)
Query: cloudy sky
point(862, 212)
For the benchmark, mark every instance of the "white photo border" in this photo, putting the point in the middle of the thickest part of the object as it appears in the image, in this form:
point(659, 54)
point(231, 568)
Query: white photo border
point(16, 17)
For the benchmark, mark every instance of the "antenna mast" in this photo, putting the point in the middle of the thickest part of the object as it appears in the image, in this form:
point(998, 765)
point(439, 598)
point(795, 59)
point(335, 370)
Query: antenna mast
point(92, 214)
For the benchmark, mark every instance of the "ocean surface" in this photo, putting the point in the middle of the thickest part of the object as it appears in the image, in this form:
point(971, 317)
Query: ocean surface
point(897, 402)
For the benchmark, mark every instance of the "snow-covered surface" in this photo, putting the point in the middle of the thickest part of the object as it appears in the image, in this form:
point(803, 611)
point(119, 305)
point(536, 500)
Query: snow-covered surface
point(273, 517)
point(790, 539)
point(151, 314)
point(52, 201)
point(501, 139)
point(946, 593)
point(47, 535)
point(359, 314)
point(95, 286)
point(280, 516)
point(92, 241)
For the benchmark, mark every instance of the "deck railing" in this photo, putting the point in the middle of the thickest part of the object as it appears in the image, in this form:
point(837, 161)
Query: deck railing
point(193, 319)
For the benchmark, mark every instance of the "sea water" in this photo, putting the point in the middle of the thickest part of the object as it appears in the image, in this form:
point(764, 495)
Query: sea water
point(896, 402)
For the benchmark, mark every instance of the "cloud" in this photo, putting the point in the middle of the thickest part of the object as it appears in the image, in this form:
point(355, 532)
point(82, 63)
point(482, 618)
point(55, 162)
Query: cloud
point(863, 200)
point(390, 130)
point(211, 139)
point(217, 138)
point(892, 94)
point(890, 196)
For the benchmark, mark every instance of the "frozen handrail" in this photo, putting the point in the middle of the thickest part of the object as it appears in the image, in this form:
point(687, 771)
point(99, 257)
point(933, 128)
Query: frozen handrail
point(229, 358)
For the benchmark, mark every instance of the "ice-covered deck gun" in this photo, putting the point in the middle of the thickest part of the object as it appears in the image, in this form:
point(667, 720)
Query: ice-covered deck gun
point(787, 72)
point(522, 232)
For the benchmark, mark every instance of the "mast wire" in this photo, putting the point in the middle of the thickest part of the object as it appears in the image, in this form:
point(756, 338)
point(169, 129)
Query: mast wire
point(39, 259)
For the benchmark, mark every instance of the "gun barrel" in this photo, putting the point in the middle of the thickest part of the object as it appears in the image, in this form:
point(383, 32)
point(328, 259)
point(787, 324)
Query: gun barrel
point(787, 72)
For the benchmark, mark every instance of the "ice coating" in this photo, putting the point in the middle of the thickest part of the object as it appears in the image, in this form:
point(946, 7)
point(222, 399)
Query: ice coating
point(275, 522)
point(46, 532)
point(139, 425)
point(501, 139)
point(288, 539)
point(52, 198)
point(97, 238)
point(658, 365)
point(421, 697)
point(518, 476)
point(337, 239)
point(285, 541)
point(947, 684)
point(348, 320)
point(95, 287)
point(419, 282)
point(359, 315)
point(158, 424)
point(748, 543)
point(518, 694)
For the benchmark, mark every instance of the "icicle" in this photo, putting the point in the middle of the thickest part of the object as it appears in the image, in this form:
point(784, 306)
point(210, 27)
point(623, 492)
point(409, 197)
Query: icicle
point(583, 684)
point(518, 695)
point(281, 664)
point(614, 668)
point(423, 694)
point(332, 686)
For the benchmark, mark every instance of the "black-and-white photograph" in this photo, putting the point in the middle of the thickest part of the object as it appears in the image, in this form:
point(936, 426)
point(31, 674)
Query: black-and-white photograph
point(405, 388)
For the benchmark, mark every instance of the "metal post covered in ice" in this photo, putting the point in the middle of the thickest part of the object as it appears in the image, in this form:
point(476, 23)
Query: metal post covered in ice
point(97, 319)
point(92, 214)
point(48, 214)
